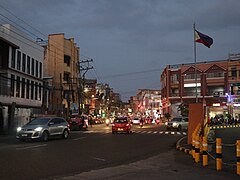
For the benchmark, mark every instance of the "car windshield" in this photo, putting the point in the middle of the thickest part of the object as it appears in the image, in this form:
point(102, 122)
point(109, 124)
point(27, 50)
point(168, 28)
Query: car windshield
point(121, 120)
point(178, 119)
point(39, 121)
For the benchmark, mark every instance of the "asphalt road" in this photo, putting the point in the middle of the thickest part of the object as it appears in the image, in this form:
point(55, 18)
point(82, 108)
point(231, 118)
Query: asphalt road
point(147, 153)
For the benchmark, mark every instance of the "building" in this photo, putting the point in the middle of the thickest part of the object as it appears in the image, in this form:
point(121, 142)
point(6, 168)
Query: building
point(62, 75)
point(21, 77)
point(213, 83)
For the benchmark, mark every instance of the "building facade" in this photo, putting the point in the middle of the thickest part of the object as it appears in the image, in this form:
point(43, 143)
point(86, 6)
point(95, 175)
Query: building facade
point(21, 77)
point(212, 83)
point(62, 74)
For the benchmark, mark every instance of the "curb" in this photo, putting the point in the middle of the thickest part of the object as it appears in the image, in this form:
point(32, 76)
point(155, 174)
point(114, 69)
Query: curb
point(183, 149)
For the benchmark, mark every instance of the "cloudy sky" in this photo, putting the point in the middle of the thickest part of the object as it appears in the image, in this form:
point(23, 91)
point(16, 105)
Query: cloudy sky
point(131, 41)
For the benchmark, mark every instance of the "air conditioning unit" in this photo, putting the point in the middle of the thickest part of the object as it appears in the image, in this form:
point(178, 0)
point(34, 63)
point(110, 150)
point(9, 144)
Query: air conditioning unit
point(221, 93)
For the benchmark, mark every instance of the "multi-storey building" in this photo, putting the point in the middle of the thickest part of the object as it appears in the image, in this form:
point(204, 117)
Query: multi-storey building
point(61, 65)
point(213, 83)
point(21, 72)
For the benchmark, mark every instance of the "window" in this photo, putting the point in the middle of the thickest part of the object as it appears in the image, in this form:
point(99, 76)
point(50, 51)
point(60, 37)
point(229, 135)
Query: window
point(28, 64)
point(23, 62)
point(174, 78)
point(36, 68)
point(36, 91)
point(40, 70)
point(12, 85)
point(23, 88)
point(215, 74)
point(191, 76)
point(66, 76)
point(27, 89)
point(32, 66)
point(40, 91)
point(18, 60)
point(234, 71)
point(32, 89)
point(18, 87)
point(67, 60)
point(13, 58)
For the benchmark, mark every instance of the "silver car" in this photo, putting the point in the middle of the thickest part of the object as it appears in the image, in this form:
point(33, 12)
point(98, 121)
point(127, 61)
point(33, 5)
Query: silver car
point(178, 123)
point(42, 128)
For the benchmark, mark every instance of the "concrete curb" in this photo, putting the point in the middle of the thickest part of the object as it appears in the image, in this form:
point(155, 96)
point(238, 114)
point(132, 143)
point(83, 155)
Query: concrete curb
point(181, 148)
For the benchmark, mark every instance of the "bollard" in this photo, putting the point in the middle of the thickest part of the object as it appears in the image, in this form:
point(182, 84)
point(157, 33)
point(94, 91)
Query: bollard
point(193, 145)
point(238, 156)
point(197, 149)
point(218, 154)
point(204, 153)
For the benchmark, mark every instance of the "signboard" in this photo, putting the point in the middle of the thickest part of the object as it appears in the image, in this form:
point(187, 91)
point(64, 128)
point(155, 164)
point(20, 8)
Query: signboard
point(74, 108)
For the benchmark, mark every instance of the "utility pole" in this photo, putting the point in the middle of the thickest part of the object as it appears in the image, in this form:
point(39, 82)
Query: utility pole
point(84, 66)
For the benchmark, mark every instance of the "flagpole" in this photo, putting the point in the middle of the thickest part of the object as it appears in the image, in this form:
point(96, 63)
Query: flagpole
point(195, 62)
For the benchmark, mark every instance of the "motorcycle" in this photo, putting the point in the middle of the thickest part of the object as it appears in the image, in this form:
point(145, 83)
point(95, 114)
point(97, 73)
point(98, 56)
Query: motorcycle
point(141, 124)
point(107, 122)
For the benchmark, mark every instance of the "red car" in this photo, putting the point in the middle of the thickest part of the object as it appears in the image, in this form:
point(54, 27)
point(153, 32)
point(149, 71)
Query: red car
point(77, 123)
point(121, 124)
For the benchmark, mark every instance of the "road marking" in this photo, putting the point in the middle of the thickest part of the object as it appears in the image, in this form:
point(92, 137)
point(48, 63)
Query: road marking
point(184, 133)
point(149, 132)
point(155, 132)
point(178, 133)
point(143, 132)
point(99, 159)
point(172, 132)
point(31, 147)
point(166, 132)
point(79, 138)
point(161, 132)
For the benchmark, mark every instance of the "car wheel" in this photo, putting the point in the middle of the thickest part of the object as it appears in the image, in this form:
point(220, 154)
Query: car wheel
point(45, 136)
point(65, 134)
point(113, 132)
point(179, 128)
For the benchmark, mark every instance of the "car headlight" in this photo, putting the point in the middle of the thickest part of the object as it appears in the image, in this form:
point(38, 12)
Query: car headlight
point(19, 129)
point(174, 124)
point(38, 129)
point(166, 123)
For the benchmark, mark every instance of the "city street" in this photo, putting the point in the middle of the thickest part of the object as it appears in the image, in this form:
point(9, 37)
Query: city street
point(87, 153)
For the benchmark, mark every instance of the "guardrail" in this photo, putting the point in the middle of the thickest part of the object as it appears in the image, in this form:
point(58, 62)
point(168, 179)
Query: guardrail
point(200, 148)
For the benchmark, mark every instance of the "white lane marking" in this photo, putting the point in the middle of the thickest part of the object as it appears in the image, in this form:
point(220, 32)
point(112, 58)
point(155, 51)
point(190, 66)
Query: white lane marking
point(161, 132)
point(149, 132)
point(172, 132)
point(155, 132)
point(79, 138)
point(31, 147)
point(178, 133)
point(99, 159)
point(143, 132)
point(184, 133)
point(166, 132)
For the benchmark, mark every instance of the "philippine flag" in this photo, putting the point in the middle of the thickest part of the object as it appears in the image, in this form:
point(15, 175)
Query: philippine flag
point(204, 39)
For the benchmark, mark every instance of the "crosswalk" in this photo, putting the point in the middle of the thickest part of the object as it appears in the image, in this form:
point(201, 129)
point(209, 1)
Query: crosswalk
point(136, 132)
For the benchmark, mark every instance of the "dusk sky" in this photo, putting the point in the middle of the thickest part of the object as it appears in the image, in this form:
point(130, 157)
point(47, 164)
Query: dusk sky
point(132, 41)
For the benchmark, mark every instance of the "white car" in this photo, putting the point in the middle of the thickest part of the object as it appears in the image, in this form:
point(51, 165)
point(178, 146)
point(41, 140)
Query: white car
point(178, 123)
point(136, 121)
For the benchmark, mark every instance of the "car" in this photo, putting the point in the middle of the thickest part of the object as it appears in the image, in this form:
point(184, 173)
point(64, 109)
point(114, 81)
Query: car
point(43, 128)
point(136, 121)
point(148, 120)
point(121, 124)
point(178, 123)
point(77, 123)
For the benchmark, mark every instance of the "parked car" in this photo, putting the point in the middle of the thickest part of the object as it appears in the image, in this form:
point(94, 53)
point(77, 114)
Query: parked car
point(148, 120)
point(178, 123)
point(43, 128)
point(121, 124)
point(77, 123)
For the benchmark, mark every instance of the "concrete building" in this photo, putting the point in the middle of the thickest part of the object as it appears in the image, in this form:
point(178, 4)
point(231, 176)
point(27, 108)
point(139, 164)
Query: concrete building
point(62, 74)
point(215, 85)
point(21, 73)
